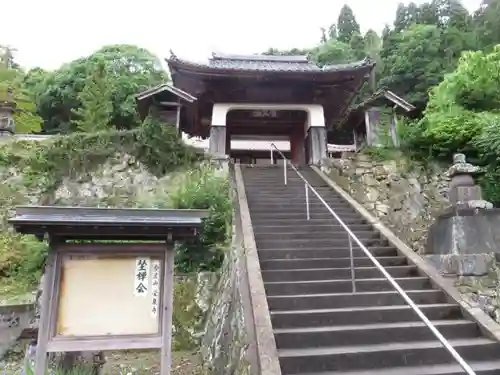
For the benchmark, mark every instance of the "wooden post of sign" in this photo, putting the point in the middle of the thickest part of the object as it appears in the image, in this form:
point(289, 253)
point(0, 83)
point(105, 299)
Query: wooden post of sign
point(48, 287)
point(168, 304)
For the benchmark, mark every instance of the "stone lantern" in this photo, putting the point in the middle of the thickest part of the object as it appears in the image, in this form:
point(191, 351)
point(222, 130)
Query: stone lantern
point(463, 190)
point(464, 238)
point(7, 109)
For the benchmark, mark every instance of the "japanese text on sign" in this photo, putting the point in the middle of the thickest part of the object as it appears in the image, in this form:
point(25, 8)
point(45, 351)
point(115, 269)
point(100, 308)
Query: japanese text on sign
point(141, 277)
point(155, 286)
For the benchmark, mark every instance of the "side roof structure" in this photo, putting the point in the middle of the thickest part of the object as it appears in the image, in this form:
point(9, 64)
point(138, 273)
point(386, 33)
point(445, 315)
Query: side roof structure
point(166, 91)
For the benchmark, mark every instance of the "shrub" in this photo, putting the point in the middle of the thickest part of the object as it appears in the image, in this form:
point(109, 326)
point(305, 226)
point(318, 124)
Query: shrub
point(204, 188)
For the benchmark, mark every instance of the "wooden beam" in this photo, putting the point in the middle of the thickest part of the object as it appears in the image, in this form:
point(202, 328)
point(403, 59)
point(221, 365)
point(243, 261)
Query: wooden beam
point(170, 104)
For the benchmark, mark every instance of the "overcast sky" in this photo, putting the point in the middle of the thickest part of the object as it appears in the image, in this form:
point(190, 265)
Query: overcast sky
point(48, 33)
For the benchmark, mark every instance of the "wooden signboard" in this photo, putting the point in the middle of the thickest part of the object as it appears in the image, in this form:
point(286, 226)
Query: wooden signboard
point(104, 293)
point(108, 297)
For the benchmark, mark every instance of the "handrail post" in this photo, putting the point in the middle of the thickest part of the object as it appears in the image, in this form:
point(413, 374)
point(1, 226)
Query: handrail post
point(308, 213)
point(351, 255)
point(284, 170)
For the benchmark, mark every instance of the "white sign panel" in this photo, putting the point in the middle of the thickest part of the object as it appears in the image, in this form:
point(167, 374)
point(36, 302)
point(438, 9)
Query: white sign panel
point(141, 277)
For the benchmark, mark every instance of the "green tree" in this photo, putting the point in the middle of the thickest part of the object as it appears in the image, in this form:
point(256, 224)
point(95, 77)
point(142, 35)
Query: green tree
point(346, 24)
point(414, 63)
point(333, 52)
point(94, 112)
point(406, 16)
point(7, 57)
point(358, 46)
point(129, 69)
point(332, 31)
point(486, 27)
point(25, 118)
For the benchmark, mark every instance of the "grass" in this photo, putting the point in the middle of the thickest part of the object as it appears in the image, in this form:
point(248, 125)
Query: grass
point(144, 362)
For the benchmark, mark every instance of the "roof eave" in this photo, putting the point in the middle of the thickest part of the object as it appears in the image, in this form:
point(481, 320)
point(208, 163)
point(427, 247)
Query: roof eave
point(190, 67)
point(162, 88)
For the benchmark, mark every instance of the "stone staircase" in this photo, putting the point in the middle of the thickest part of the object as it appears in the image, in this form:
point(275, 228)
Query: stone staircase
point(320, 326)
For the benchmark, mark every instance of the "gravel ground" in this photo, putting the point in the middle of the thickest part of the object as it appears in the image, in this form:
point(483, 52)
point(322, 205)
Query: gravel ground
point(123, 363)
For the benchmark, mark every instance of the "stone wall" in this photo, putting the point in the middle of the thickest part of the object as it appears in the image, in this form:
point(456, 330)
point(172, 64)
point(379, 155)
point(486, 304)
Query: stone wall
point(228, 332)
point(405, 197)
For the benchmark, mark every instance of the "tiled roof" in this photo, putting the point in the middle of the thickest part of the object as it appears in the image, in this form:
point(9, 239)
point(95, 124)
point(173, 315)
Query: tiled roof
point(263, 62)
point(270, 63)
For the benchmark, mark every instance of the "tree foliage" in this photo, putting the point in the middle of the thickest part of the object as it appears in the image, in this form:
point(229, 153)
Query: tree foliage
point(128, 70)
point(347, 26)
point(25, 118)
point(94, 113)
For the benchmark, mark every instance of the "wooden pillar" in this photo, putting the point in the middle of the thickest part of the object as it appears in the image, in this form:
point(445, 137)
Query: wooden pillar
point(217, 142)
point(297, 145)
point(46, 311)
point(317, 139)
point(168, 305)
point(228, 141)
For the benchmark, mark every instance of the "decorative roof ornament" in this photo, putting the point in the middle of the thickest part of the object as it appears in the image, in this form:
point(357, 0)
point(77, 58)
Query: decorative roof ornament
point(173, 56)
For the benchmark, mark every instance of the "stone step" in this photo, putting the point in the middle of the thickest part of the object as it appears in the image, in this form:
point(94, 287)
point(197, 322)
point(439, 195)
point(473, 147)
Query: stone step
point(315, 263)
point(320, 325)
point(343, 286)
point(301, 234)
point(302, 220)
point(300, 207)
point(480, 368)
point(372, 334)
point(309, 228)
point(326, 252)
point(358, 299)
point(342, 240)
point(362, 315)
point(279, 215)
point(280, 194)
point(336, 273)
point(411, 353)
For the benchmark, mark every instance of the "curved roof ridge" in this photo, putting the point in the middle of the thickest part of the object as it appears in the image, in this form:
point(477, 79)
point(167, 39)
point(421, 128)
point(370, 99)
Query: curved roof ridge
point(345, 66)
point(262, 57)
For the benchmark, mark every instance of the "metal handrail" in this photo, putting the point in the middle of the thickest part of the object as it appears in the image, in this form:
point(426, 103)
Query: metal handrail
point(352, 237)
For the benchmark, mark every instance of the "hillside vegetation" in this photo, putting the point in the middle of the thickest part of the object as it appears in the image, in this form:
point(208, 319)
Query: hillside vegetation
point(33, 171)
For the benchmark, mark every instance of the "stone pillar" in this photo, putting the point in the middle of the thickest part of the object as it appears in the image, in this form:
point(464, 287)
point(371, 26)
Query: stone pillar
point(317, 141)
point(372, 123)
point(461, 241)
point(217, 141)
point(393, 130)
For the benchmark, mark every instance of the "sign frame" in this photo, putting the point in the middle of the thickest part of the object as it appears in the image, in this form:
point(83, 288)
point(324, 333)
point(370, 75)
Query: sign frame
point(49, 341)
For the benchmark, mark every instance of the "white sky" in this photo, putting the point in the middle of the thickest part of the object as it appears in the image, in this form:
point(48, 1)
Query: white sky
point(47, 33)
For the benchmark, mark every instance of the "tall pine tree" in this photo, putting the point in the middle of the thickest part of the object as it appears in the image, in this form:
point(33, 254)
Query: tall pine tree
point(94, 113)
point(347, 25)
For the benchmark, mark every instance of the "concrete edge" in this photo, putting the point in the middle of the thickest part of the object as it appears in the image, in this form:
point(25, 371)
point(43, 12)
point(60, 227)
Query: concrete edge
point(266, 345)
point(251, 355)
point(486, 324)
